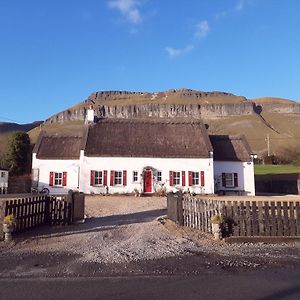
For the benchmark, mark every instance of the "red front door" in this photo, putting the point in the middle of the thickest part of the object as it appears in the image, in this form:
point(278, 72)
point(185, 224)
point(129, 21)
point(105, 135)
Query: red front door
point(148, 181)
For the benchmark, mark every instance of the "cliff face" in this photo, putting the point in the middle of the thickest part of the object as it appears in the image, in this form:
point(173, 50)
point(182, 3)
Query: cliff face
point(157, 110)
point(173, 103)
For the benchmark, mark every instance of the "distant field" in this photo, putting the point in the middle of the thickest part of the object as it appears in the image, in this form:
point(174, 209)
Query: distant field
point(275, 169)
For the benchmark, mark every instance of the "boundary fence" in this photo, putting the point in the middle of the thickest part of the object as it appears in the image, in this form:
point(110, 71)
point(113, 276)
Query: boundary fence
point(241, 218)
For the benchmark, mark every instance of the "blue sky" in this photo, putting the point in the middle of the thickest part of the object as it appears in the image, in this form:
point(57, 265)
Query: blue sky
point(54, 54)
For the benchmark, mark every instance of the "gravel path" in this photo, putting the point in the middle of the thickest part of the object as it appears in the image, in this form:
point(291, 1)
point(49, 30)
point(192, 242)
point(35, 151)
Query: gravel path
point(122, 230)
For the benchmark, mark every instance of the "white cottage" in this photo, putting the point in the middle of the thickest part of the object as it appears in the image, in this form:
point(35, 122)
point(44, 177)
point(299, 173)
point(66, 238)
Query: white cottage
point(123, 156)
point(133, 155)
point(56, 163)
point(3, 181)
point(233, 165)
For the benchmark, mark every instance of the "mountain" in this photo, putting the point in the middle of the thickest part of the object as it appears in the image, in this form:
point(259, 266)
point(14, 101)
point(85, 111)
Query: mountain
point(224, 113)
point(7, 128)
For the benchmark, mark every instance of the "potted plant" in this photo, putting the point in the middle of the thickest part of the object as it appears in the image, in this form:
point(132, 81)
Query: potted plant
point(9, 223)
point(216, 225)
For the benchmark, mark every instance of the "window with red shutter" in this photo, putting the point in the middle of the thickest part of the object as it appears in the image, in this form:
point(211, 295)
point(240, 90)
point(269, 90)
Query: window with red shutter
point(92, 181)
point(105, 177)
point(171, 178)
point(124, 177)
point(202, 178)
point(51, 178)
point(190, 178)
point(64, 181)
point(112, 177)
point(183, 177)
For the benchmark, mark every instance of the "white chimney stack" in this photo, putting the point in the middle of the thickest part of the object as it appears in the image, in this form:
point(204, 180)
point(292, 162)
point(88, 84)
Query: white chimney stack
point(90, 115)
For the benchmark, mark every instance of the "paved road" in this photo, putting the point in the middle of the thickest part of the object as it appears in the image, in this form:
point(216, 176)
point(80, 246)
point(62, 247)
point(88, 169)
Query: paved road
point(258, 285)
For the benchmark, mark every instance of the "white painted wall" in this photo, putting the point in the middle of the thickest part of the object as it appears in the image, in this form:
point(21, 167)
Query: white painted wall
point(3, 181)
point(45, 166)
point(245, 172)
point(131, 164)
point(78, 173)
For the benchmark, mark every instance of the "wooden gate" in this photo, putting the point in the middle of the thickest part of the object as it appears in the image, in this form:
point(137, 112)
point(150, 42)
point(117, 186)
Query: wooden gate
point(39, 210)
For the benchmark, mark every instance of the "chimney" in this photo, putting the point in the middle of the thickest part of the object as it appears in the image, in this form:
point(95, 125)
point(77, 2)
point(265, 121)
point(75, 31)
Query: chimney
point(90, 116)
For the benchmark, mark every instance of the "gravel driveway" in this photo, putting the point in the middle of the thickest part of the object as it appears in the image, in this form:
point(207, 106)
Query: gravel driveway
point(123, 231)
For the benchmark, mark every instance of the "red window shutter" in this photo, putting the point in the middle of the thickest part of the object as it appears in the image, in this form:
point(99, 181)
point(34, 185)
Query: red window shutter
point(105, 177)
point(190, 178)
point(124, 178)
point(223, 180)
point(51, 178)
point(236, 180)
point(92, 180)
point(111, 178)
point(183, 177)
point(171, 178)
point(64, 181)
point(202, 178)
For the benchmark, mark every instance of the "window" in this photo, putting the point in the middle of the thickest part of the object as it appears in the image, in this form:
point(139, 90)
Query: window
point(98, 178)
point(58, 179)
point(159, 179)
point(195, 178)
point(117, 177)
point(2, 174)
point(176, 178)
point(135, 176)
point(230, 179)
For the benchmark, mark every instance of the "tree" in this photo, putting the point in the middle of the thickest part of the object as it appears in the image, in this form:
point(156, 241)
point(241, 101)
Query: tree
point(17, 154)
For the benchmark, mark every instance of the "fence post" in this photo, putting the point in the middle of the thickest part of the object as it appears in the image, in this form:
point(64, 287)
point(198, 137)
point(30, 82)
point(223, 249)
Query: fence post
point(175, 207)
point(47, 210)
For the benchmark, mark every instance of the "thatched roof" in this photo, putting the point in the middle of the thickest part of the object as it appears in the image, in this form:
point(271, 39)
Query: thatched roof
point(148, 138)
point(58, 147)
point(230, 148)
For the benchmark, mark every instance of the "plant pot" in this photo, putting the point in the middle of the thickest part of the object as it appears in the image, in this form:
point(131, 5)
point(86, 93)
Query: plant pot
point(216, 231)
point(8, 229)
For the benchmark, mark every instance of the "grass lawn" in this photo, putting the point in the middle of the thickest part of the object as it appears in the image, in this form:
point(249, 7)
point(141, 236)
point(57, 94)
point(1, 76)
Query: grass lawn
point(275, 169)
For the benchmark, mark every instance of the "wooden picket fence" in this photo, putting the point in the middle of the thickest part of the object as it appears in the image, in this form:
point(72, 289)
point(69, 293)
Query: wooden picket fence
point(244, 218)
point(37, 210)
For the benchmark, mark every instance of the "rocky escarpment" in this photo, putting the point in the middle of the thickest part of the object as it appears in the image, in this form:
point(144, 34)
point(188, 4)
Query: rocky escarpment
point(157, 110)
point(172, 103)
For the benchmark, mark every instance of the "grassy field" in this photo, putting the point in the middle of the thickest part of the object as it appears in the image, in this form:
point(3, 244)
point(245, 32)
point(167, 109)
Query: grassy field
point(275, 169)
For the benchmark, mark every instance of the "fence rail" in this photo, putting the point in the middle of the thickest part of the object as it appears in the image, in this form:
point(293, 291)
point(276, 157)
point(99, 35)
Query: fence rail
point(241, 218)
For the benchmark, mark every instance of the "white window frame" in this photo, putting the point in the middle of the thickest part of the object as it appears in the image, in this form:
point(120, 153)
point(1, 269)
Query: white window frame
point(58, 179)
point(98, 178)
point(159, 176)
point(176, 179)
point(118, 178)
point(229, 177)
point(195, 178)
point(3, 174)
point(135, 176)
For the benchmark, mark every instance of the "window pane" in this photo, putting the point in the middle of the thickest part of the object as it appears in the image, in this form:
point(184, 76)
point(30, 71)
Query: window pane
point(229, 179)
point(118, 177)
point(195, 178)
point(159, 176)
point(176, 178)
point(98, 177)
point(135, 176)
point(58, 179)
